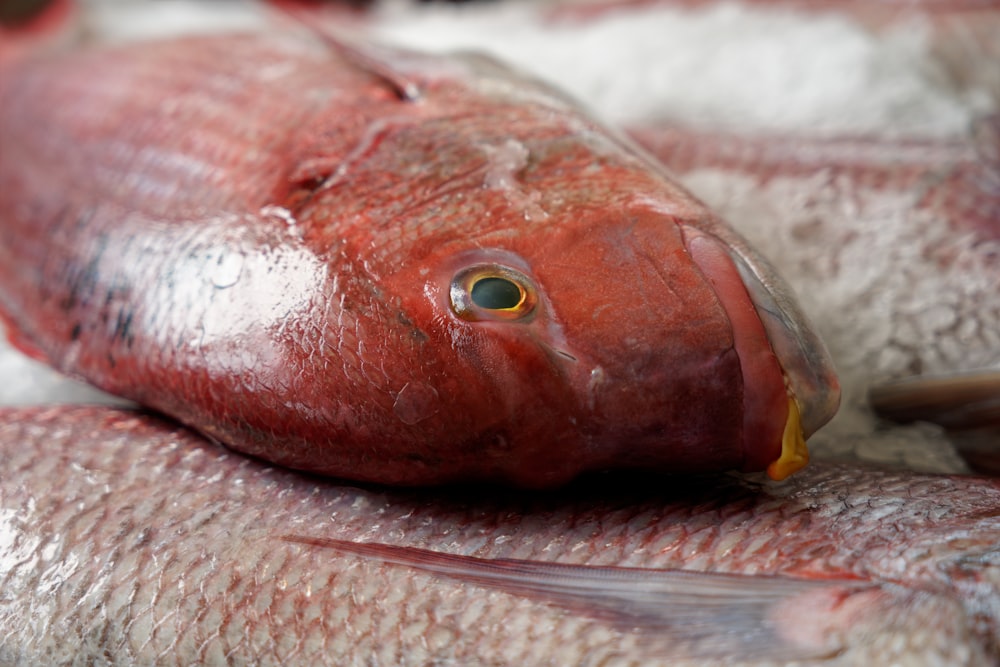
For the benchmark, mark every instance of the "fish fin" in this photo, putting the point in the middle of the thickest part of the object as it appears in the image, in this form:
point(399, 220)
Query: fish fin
point(385, 63)
point(704, 614)
point(956, 401)
point(379, 61)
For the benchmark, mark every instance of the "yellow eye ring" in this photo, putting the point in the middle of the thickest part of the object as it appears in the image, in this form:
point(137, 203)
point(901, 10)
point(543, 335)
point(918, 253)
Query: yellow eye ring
point(492, 292)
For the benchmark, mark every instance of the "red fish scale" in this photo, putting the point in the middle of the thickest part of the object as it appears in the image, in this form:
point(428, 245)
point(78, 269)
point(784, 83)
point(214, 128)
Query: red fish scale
point(400, 179)
point(228, 137)
point(146, 150)
point(692, 527)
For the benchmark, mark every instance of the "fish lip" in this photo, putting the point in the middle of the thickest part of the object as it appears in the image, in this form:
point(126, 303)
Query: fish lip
point(803, 356)
point(804, 359)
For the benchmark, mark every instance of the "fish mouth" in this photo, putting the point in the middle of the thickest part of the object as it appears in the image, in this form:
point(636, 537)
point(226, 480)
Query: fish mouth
point(802, 355)
point(811, 392)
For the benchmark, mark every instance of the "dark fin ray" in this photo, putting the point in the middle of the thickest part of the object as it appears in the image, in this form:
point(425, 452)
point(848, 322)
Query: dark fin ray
point(378, 61)
point(955, 401)
point(701, 614)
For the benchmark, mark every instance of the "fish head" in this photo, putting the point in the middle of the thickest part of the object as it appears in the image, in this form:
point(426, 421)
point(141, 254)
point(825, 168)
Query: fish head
point(547, 301)
point(638, 332)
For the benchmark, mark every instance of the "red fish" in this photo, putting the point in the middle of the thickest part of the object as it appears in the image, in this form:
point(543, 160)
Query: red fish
point(385, 266)
point(131, 540)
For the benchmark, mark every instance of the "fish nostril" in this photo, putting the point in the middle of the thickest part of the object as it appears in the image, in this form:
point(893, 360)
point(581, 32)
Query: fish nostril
point(566, 355)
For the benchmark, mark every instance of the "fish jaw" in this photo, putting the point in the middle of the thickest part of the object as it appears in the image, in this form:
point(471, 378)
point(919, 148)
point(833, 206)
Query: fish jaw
point(752, 377)
point(742, 277)
point(765, 402)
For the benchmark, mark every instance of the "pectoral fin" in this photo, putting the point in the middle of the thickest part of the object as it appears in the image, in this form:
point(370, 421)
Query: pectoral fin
point(955, 401)
point(696, 614)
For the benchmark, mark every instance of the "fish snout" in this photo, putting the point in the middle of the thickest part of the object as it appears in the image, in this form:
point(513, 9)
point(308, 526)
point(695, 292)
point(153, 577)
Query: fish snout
point(658, 382)
point(740, 275)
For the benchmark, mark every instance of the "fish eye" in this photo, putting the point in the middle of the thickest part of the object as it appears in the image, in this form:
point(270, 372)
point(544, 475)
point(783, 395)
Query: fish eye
point(492, 292)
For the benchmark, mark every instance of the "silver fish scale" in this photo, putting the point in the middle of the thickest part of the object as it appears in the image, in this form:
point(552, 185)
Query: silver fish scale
point(203, 571)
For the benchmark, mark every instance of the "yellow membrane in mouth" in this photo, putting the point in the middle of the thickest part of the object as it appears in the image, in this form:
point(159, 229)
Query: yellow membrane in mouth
point(794, 453)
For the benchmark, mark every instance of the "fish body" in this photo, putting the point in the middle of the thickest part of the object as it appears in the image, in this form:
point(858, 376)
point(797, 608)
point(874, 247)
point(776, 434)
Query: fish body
point(175, 551)
point(385, 266)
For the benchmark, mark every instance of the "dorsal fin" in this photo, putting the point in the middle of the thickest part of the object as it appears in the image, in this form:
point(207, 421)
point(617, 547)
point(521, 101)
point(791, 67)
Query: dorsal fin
point(376, 60)
point(380, 61)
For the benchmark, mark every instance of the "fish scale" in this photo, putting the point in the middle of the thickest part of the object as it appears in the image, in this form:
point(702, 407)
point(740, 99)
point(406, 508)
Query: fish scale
point(204, 570)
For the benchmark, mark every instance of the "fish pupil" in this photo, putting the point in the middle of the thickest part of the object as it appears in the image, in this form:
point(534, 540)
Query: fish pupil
point(496, 294)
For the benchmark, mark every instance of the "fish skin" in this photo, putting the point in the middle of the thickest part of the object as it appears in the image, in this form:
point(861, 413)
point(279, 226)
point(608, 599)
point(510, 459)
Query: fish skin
point(270, 298)
point(172, 552)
